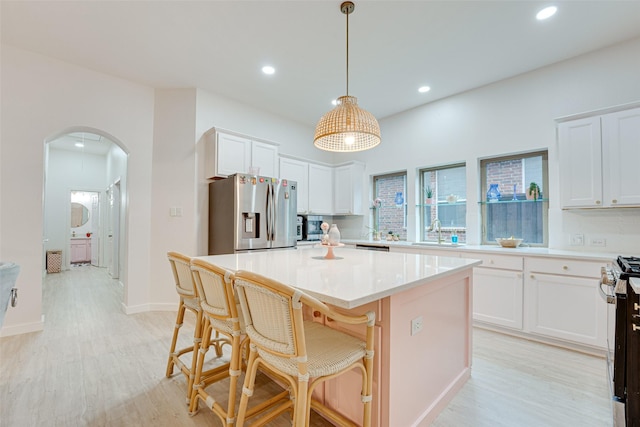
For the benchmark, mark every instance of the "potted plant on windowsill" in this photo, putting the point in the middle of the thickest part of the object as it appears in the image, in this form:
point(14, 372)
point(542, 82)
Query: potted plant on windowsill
point(428, 193)
point(533, 192)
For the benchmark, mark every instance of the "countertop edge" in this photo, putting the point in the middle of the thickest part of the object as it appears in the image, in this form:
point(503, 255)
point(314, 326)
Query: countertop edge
point(490, 249)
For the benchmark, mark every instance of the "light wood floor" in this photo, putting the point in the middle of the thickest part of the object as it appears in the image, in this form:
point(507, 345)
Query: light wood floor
point(95, 366)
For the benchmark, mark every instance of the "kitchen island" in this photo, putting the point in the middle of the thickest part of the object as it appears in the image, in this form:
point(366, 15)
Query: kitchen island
point(423, 322)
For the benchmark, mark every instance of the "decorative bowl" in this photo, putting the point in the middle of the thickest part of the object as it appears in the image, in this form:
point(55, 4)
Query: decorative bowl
point(510, 242)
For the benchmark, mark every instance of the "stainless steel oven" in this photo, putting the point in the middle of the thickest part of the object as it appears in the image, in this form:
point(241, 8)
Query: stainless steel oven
point(623, 339)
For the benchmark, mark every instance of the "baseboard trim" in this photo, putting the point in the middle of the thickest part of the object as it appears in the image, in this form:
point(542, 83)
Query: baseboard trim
point(24, 328)
point(581, 348)
point(143, 308)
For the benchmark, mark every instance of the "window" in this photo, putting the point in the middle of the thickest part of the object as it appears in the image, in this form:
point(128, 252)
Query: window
point(391, 213)
point(447, 187)
point(515, 212)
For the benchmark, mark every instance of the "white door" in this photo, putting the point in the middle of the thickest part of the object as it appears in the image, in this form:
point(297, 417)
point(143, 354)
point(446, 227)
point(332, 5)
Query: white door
point(95, 227)
point(113, 231)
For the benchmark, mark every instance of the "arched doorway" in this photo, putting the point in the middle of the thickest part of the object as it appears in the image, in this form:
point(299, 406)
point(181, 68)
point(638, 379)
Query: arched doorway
point(85, 160)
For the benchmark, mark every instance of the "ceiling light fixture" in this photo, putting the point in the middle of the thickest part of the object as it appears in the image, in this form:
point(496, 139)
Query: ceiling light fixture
point(547, 12)
point(347, 127)
point(424, 89)
point(267, 69)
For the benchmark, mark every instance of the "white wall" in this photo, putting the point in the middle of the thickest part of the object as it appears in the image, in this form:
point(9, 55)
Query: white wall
point(512, 116)
point(42, 97)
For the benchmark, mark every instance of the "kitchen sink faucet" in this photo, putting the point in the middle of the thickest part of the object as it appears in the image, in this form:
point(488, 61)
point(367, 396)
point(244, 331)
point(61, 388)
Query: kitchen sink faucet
point(434, 223)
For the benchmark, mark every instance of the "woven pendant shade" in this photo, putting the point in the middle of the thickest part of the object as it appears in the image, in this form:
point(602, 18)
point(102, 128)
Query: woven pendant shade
point(347, 128)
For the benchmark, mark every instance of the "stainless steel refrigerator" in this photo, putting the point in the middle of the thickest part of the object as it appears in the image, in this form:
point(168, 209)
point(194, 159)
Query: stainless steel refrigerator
point(251, 213)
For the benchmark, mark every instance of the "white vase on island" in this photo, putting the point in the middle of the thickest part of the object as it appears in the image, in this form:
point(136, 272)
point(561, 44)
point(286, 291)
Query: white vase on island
point(334, 235)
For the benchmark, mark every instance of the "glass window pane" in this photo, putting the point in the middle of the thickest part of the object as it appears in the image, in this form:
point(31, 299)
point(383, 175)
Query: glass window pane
point(514, 213)
point(448, 187)
point(391, 215)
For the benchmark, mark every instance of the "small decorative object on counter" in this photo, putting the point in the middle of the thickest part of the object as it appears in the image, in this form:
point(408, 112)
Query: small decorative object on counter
point(493, 194)
point(376, 235)
point(396, 237)
point(334, 235)
point(325, 237)
point(390, 236)
point(454, 237)
point(515, 195)
point(452, 198)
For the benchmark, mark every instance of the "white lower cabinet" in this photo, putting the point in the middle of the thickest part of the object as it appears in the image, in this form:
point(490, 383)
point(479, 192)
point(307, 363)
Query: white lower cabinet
point(497, 297)
point(563, 301)
point(498, 290)
point(80, 250)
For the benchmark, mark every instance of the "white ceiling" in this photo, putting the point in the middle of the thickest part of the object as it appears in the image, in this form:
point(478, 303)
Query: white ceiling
point(395, 46)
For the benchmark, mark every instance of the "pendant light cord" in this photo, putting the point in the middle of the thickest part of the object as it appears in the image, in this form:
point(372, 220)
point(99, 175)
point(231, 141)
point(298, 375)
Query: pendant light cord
point(347, 53)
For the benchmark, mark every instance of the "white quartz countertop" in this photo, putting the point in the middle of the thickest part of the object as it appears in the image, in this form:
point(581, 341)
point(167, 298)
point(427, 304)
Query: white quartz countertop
point(354, 278)
point(520, 251)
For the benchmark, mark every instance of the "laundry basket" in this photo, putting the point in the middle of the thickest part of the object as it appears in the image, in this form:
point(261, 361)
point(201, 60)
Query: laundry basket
point(54, 261)
point(8, 276)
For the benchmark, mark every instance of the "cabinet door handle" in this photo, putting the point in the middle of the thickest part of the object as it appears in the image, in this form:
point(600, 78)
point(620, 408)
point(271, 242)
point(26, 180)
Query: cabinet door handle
point(598, 202)
point(636, 306)
point(614, 201)
point(329, 319)
point(316, 313)
point(635, 327)
point(532, 276)
point(565, 267)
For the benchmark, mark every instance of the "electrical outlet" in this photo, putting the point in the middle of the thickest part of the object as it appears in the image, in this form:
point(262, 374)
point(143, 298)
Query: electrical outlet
point(577, 240)
point(598, 241)
point(416, 325)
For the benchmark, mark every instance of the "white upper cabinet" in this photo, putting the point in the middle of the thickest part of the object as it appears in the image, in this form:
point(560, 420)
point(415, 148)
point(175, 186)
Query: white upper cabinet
point(580, 163)
point(265, 157)
point(597, 157)
point(320, 189)
point(348, 189)
point(298, 171)
point(229, 153)
point(620, 154)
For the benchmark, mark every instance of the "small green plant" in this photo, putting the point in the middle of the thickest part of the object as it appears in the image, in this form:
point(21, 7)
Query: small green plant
point(534, 191)
point(428, 192)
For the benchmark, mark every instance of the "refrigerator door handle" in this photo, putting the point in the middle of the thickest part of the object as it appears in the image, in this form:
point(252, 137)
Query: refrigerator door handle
point(274, 212)
point(270, 212)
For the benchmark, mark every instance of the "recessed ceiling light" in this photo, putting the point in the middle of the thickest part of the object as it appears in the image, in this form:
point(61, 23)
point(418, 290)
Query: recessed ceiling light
point(79, 144)
point(424, 89)
point(547, 12)
point(268, 69)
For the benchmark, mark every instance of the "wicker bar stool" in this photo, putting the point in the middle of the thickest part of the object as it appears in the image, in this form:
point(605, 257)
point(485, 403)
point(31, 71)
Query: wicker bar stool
point(223, 325)
point(303, 353)
point(189, 300)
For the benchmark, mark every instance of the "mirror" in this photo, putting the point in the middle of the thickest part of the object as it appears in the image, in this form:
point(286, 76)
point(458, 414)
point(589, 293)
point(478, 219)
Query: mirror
point(79, 214)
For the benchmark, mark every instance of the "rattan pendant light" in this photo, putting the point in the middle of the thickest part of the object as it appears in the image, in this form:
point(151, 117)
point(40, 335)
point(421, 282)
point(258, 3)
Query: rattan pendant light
point(347, 127)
